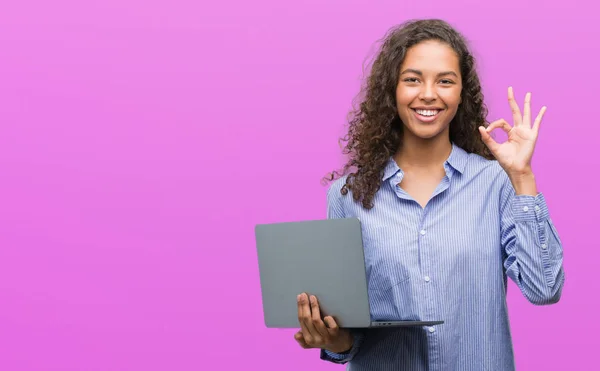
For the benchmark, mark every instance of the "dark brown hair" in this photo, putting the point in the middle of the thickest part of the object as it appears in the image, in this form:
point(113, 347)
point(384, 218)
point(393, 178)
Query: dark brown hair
point(375, 129)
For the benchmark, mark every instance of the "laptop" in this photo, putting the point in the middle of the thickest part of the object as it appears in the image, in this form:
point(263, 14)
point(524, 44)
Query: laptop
point(324, 258)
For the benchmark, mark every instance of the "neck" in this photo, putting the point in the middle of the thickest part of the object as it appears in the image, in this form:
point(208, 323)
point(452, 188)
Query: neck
point(423, 153)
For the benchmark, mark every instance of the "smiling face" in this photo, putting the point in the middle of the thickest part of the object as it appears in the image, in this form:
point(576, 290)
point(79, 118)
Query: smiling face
point(428, 90)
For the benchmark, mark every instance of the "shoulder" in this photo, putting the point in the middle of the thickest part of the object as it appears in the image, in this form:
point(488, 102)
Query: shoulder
point(478, 165)
point(334, 193)
point(335, 202)
point(485, 175)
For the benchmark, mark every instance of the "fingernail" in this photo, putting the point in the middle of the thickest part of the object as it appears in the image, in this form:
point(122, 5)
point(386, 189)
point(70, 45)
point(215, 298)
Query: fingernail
point(298, 298)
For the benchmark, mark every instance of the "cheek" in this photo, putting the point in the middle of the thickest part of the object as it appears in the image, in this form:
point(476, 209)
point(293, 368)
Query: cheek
point(452, 100)
point(403, 103)
point(401, 99)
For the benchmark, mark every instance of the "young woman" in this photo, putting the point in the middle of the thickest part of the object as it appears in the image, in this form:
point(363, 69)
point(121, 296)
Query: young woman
point(447, 213)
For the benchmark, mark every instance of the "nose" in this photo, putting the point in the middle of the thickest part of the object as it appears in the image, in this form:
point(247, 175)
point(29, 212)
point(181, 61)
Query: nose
point(427, 93)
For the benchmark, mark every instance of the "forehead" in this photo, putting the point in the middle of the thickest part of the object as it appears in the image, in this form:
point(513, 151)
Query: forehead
point(431, 56)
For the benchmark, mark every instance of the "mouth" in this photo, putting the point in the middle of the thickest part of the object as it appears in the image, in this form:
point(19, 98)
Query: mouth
point(426, 115)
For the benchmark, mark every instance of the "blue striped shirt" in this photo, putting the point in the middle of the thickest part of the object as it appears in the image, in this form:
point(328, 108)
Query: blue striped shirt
point(449, 261)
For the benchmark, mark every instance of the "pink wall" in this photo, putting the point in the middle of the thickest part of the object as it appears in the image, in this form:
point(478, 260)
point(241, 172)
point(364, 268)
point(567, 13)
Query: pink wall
point(140, 141)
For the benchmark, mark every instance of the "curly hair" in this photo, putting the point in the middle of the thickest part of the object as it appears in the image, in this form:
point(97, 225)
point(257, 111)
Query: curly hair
point(375, 129)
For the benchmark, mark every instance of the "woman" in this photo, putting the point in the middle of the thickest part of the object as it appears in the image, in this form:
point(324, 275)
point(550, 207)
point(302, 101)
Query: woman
point(447, 213)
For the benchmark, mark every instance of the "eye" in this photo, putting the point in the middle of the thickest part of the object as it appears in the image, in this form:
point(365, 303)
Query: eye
point(447, 82)
point(411, 79)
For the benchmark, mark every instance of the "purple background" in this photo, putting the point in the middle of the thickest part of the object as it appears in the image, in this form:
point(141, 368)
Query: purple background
point(141, 141)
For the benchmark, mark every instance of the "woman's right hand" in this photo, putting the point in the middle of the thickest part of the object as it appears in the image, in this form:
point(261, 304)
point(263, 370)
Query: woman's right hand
point(317, 332)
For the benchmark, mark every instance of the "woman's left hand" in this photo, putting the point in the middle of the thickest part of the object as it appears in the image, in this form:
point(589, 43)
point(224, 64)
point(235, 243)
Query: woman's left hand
point(515, 154)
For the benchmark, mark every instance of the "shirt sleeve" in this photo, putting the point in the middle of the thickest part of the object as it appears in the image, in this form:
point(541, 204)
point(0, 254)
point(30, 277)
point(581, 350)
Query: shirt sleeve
point(334, 202)
point(533, 256)
point(335, 210)
point(342, 358)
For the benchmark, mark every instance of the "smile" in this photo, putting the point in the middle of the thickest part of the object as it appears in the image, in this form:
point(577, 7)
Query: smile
point(426, 115)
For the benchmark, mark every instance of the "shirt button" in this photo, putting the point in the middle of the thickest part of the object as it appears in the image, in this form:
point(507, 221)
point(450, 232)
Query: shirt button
point(432, 329)
point(427, 279)
point(544, 246)
point(422, 232)
point(525, 208)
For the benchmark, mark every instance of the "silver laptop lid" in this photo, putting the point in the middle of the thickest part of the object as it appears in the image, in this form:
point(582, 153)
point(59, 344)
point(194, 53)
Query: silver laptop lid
point(324, 258)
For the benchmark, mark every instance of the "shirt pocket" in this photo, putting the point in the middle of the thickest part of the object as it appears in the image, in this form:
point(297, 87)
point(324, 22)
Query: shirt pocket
point(387, 257)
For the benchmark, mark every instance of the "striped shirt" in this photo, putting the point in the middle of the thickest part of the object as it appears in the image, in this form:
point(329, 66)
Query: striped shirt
point(449, 261)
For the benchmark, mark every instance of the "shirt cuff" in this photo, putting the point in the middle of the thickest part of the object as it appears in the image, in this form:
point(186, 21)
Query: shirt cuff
point(336, 355)
point(530, 208)
point(342, 358)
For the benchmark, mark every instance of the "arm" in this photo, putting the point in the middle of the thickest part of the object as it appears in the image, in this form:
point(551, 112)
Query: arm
point(335, 211)
point(533, 250)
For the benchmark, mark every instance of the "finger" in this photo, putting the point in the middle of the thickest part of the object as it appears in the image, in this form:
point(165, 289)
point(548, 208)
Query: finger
point(488, 140)
point(538, 119)
point(308, 329)
point(300, 339)
point(514, 107)
point(301, 315)
point(318, 323)
point(527, 110)
point(332, 326)
point(502, 123)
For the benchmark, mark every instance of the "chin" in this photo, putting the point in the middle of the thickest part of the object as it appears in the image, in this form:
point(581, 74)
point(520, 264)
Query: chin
point(424, 132)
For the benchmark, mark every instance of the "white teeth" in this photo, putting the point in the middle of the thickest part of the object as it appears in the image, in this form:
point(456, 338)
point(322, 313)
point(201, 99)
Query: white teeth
point(427, 112)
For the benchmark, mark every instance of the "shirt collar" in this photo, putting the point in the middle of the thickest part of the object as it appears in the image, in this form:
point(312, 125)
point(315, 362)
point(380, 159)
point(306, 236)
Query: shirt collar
point(457, 160)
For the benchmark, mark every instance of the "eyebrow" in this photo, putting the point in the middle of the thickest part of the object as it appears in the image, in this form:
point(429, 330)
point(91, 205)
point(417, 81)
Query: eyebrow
point(417, 72)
